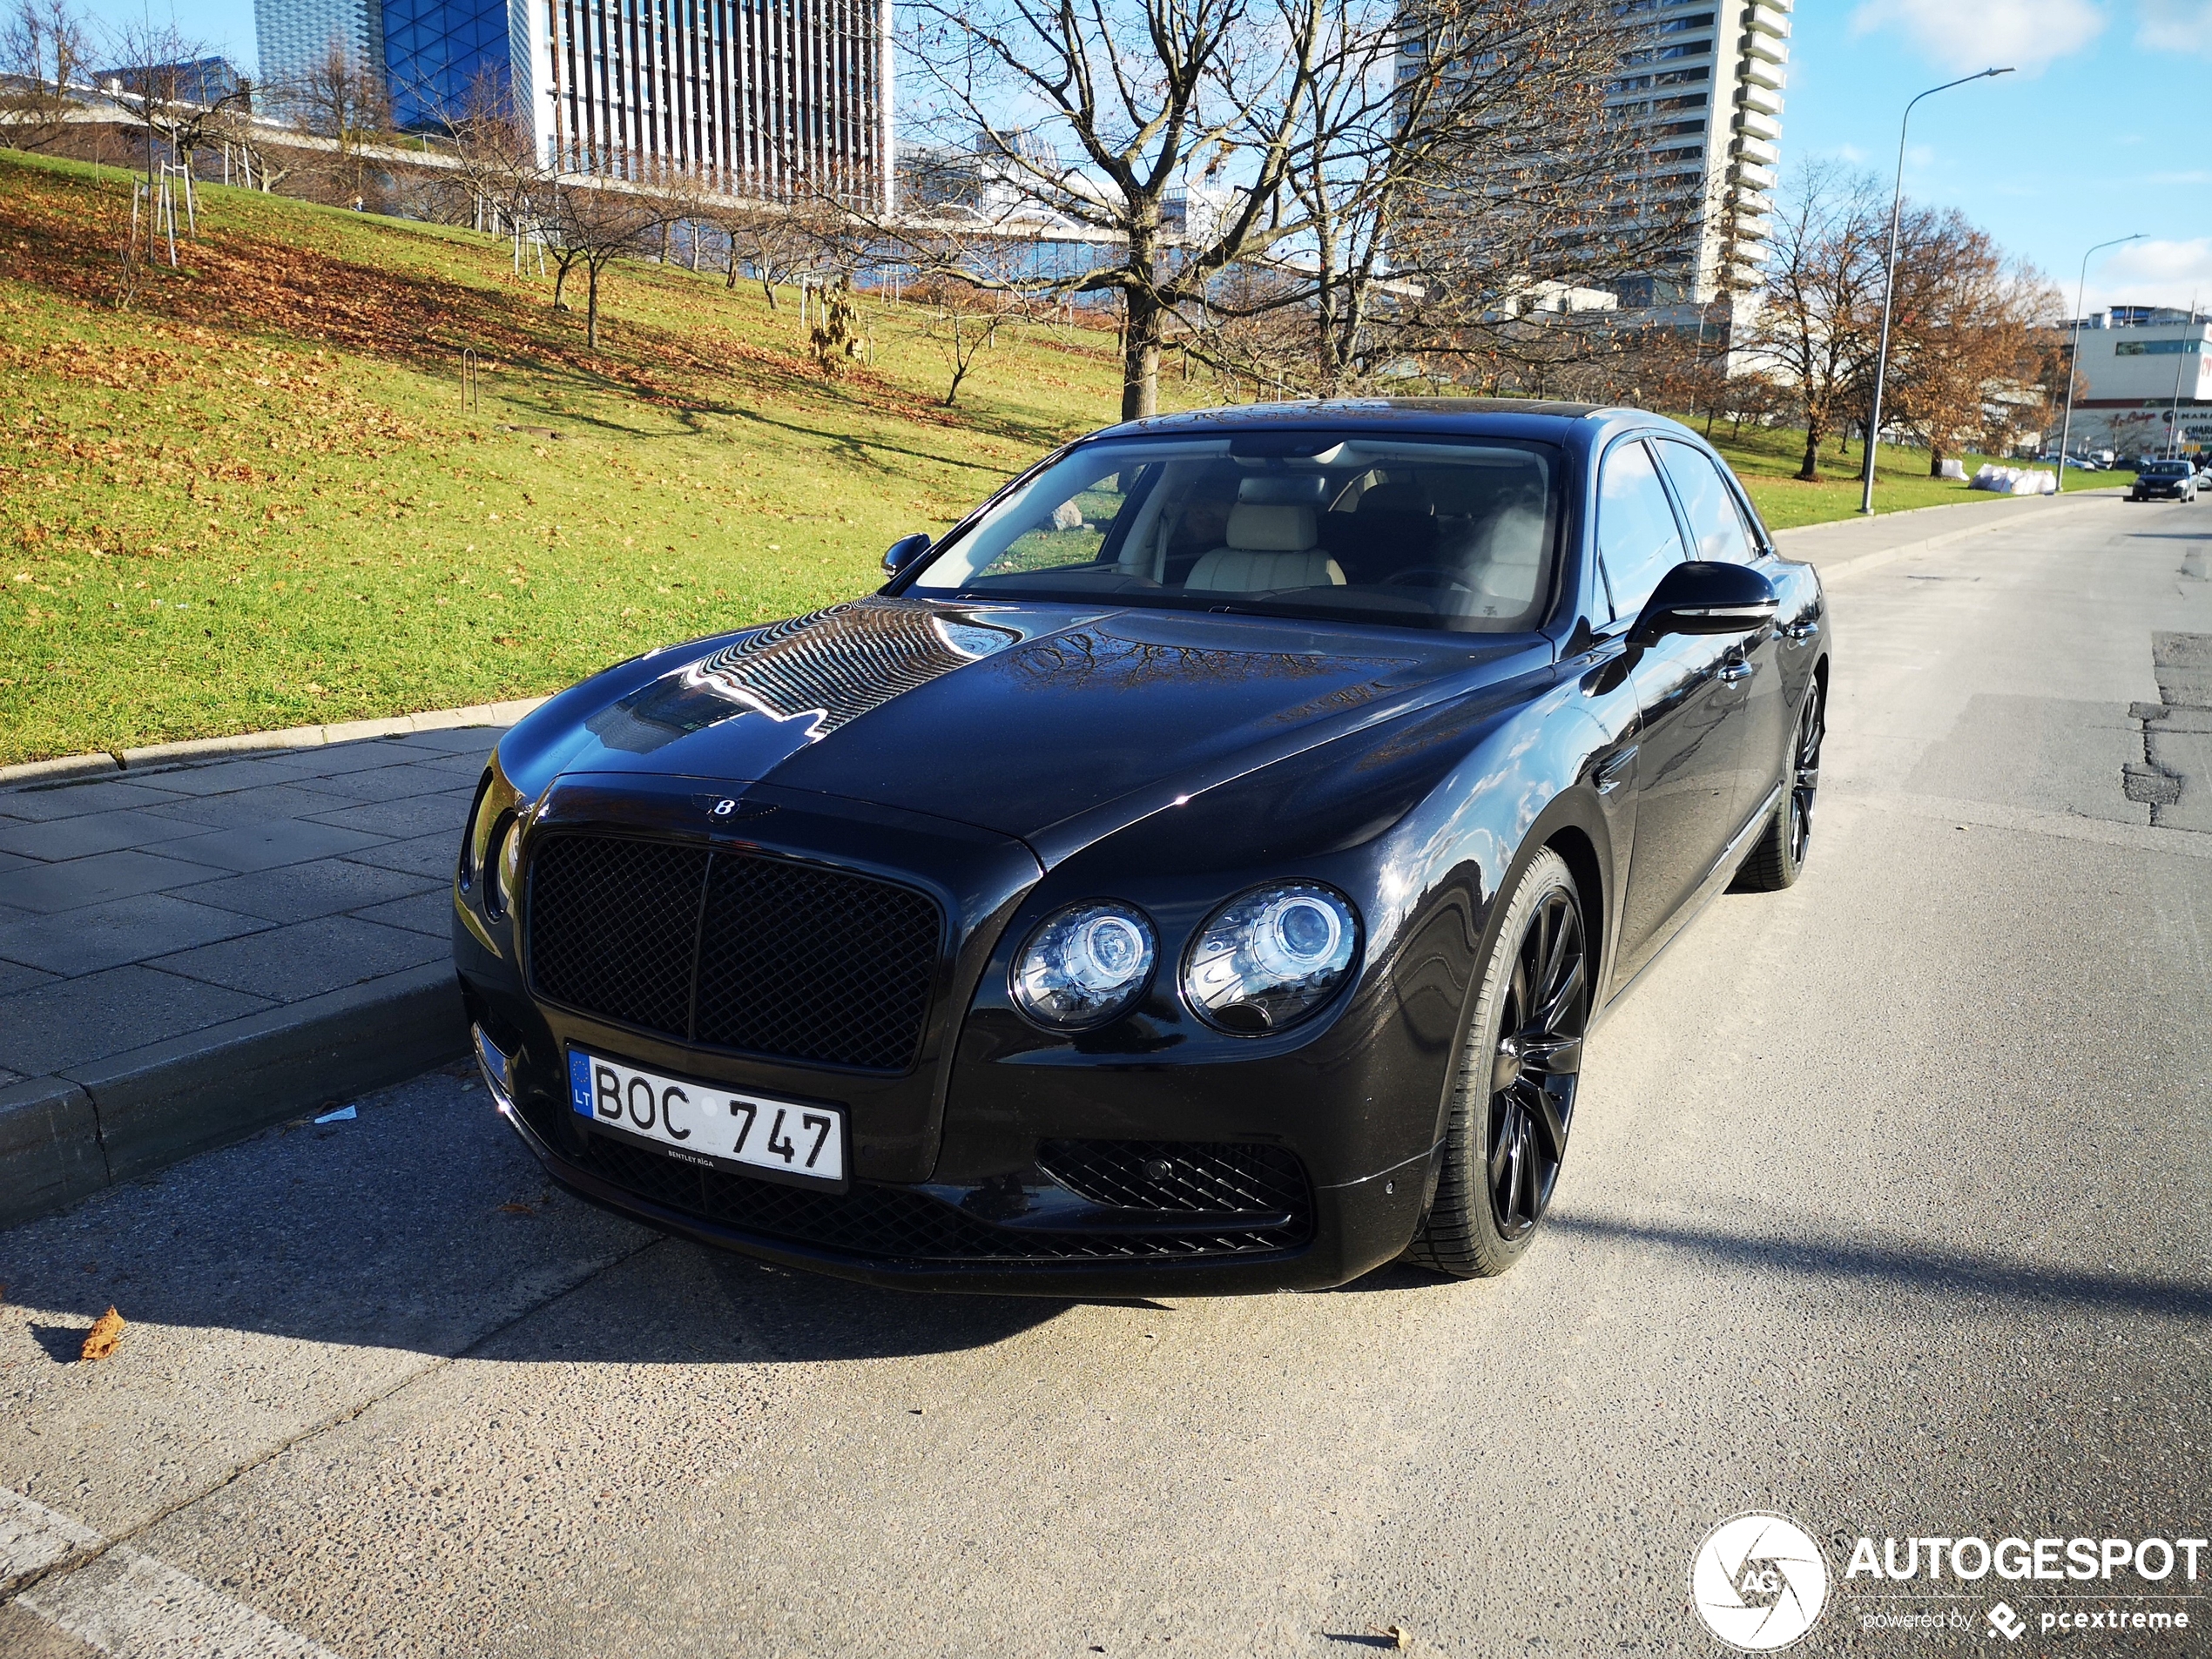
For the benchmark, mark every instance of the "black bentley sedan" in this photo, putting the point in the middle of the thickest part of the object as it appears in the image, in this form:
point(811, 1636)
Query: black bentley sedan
point(1198, 871)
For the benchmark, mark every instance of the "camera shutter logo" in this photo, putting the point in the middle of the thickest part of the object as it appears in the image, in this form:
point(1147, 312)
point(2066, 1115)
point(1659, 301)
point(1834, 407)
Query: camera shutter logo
point(1759, 1582)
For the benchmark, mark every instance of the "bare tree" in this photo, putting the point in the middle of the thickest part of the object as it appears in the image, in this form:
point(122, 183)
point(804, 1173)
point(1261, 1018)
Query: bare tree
point(777, 241)
point(595, 219)
point(1817, 321)
point(42, 54)
point(495, 156)
point(343, 98)
point(1143, 90)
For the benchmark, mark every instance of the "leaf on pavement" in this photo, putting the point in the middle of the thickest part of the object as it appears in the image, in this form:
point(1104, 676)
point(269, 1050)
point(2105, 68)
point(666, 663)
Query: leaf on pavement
point(105, 1338)
point(516, 1210)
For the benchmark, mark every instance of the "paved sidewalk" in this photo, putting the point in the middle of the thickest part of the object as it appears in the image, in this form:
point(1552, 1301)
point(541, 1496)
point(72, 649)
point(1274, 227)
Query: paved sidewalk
point(157, 927)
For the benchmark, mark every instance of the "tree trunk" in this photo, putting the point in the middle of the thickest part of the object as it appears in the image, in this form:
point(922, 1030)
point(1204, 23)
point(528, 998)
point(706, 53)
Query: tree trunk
point(592, 307)
point(732, 285)
point(1142, 327)
point(1935, 460)
point(1810, 472)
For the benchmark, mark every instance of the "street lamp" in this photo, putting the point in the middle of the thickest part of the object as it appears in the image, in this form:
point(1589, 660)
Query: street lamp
point(2081, 297)
point(1889, 282)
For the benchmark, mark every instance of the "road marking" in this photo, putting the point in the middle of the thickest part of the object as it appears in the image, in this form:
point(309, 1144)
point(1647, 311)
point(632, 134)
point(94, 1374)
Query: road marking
point(126, 1603)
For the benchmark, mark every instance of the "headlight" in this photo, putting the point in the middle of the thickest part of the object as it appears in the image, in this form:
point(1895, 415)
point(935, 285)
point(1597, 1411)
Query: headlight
point(1083, 964)
point(1271, 957)
point(488, 840)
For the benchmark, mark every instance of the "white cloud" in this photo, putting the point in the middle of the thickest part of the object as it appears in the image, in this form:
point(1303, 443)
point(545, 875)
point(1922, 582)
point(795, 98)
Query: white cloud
point(1967, 34)
point(2154, 274)
point(2175, 26)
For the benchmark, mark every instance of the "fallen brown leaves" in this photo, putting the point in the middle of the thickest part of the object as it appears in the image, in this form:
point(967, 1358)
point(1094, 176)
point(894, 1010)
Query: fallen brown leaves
point(105, 1338)
point(241, 279)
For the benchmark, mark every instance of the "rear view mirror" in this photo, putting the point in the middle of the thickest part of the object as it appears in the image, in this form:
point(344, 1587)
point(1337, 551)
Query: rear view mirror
point(905, 552)
point(1705, 597)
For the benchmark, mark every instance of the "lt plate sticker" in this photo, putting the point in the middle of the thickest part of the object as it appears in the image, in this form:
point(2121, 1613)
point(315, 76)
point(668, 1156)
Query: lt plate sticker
point(705, 1123)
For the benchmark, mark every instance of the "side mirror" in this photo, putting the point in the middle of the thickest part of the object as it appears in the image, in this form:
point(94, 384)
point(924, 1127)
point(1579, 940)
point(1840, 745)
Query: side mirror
point(1706, 597)
point(905, 551)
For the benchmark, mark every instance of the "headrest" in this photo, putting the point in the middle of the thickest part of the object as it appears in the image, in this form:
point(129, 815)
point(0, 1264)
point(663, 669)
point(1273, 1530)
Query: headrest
point(1256, 527)
point(1409, 498)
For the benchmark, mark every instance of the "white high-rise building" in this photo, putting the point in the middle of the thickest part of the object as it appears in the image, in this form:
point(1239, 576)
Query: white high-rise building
point(1708, 90)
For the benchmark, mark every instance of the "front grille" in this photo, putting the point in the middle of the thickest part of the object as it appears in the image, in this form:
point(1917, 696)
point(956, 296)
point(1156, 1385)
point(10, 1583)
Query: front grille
point(1175, 1176)
point(733, 949)
point(895, 1223)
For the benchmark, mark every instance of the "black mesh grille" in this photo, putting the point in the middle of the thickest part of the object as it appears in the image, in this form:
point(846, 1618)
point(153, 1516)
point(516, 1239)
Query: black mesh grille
point(1179, 1177)
point(791, 962)
point(814, 965)
point(613, 926)
point(894, 1224)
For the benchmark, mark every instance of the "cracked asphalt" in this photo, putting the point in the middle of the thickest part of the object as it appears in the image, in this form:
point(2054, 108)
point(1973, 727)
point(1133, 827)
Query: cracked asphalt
point(1889, 1209)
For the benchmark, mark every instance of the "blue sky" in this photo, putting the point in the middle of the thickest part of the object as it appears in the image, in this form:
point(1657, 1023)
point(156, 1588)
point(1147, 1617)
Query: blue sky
point(2102, 132)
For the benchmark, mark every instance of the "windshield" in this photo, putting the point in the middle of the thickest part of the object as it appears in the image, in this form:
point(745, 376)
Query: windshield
point(1456, 533)
point(2167, 469)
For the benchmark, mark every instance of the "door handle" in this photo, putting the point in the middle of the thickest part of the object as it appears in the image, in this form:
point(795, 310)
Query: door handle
point(1801, 631)
point(1736, 670)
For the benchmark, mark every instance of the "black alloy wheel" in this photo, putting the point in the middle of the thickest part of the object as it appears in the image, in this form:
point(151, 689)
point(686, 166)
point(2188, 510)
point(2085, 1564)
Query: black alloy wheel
point(1512, 1099)
point(1537, 1064)
point(1779, 857)
point(1805, 781)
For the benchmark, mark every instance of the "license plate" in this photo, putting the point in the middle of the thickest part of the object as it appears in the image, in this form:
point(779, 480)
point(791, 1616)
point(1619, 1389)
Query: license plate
point(707, 1125)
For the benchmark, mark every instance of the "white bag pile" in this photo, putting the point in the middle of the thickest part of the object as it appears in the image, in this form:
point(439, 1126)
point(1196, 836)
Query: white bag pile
point(2014, 481)
point(1953, 469)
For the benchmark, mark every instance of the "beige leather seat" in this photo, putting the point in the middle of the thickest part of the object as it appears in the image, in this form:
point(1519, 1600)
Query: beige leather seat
point(1269, 546)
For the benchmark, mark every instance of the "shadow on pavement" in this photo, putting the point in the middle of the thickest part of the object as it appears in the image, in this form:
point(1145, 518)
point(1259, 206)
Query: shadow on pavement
point(1934, 1271)
point(424, 1226)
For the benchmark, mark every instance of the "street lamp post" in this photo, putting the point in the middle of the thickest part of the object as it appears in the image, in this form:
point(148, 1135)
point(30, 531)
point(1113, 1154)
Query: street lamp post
point(2073, 357)
point(1889, 283)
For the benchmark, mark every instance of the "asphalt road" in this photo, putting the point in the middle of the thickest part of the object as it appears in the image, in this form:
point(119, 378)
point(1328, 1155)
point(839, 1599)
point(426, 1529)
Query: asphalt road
point(1889, 1209)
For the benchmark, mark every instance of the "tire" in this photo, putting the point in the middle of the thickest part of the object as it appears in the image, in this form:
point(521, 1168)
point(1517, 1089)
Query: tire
point(1779, 858)
point(1512, 1096)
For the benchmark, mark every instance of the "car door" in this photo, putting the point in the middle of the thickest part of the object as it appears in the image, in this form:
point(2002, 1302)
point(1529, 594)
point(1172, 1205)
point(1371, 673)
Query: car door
point(1717, 532)
point(1687, 756)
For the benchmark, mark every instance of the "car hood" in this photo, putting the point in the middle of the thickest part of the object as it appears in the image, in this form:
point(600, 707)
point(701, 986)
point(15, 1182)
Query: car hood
point(1048, 723)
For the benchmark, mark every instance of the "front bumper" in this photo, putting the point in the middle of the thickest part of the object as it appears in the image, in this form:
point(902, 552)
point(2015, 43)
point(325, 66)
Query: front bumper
point(1344, 1231)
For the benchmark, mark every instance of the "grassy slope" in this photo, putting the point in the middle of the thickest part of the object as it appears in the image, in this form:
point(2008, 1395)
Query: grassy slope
point(254, 499)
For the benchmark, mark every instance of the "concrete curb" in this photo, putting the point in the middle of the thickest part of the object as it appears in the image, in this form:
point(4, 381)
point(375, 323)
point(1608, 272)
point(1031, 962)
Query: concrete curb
point(64, 1138)
point(1801, 542)
point(163, 757)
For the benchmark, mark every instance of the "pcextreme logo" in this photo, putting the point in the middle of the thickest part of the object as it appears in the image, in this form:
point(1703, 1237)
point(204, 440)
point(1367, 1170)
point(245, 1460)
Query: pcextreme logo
point(1759, 1581)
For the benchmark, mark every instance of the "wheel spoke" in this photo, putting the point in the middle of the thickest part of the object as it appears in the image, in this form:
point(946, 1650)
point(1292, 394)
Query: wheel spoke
point(1548, 1017)
point(1502, 1143)
point(1565, 939)
point(1560, 1056)
point(1551, 1121)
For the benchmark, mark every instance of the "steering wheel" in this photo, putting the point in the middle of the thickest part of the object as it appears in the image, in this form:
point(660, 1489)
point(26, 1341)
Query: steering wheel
point(1442, 578)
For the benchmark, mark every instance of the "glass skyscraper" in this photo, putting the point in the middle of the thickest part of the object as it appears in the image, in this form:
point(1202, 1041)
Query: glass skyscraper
point(770, 98)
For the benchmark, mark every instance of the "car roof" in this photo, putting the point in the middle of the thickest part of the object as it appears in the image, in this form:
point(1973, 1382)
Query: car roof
point(1579, 425)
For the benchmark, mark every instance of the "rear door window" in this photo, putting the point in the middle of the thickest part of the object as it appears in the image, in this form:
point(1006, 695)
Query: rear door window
point(1707, 503)
point(1638, 541)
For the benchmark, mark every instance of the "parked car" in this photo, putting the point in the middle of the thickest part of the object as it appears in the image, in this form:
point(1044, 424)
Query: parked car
point(1198, 871)
point(2164, 481)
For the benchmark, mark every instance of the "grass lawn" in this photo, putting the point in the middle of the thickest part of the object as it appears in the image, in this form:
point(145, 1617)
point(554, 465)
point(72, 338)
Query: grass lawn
point(1767, 461)
point(255, 499)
